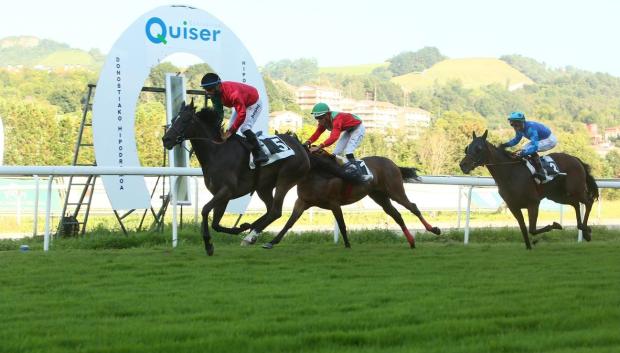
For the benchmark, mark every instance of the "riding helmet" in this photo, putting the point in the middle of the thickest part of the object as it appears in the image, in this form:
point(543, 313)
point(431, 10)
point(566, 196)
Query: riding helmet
point(319, 110)
point(209, 80)
point(516, 116)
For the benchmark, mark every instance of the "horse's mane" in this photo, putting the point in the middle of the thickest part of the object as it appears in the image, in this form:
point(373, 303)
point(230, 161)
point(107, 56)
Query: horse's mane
point(505, 153)
point(211, 119)
point(325, 166)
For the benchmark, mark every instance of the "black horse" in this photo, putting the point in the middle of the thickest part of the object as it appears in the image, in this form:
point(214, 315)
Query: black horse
point(226, 170)
point(518, 189)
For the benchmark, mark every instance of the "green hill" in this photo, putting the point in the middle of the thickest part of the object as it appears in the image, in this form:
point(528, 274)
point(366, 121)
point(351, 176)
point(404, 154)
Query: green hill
point(351, 70)
point(472, 72)
point(31, 51)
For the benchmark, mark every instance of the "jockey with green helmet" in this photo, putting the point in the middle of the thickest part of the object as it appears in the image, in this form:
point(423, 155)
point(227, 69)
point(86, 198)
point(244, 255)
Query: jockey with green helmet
point(247, 104)
point(540, 136)
point(346, 128)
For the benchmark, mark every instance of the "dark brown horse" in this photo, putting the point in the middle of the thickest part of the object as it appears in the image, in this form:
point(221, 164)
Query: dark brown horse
point(227, 174)
point(325, 187)
point(518, 189)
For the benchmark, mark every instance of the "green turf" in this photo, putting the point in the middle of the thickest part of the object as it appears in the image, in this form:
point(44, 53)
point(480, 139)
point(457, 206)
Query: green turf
point(309, 295)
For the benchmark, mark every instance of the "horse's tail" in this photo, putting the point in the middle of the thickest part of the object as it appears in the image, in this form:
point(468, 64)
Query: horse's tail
point(409, 174)
point(590, 182)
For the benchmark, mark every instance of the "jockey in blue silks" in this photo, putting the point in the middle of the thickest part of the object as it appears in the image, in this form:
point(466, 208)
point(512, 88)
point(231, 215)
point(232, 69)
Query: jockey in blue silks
point(540, 136)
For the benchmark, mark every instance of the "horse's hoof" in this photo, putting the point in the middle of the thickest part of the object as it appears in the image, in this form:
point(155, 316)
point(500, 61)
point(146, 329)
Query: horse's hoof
point(267, 246)
point(247, 241)
point(436, 231)
point(557, 225)
point(534, 241)
point(210, 248)
point(412, 245)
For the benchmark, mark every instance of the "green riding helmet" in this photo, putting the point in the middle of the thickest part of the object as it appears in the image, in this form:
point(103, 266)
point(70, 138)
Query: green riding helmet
point(319, 110)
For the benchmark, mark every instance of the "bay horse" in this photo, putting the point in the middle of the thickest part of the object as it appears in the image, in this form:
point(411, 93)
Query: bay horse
point(326, 186)
point(519, 190)
point(226, 171)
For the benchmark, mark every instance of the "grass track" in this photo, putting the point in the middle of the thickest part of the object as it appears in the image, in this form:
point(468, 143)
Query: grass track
point(313, 296)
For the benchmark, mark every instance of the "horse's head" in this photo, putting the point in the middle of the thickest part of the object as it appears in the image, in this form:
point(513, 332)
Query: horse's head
point(476, 153)
point(189, 124)
point(180, 126)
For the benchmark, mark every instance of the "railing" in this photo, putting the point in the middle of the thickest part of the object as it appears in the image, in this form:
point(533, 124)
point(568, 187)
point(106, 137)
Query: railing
point(52, 171)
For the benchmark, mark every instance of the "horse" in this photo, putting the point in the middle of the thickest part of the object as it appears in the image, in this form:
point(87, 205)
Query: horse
point(326, 186)
point(226, 171)
point(519, 190)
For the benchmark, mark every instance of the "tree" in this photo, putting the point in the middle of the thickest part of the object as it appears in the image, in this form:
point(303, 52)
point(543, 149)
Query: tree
point(420, 60)
point(296, 72)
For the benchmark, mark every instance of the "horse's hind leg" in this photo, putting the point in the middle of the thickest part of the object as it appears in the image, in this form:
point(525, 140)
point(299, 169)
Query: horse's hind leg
point(583, 225)
point(298, 210)
point(337, 212)
point(398, 195)
point(384, 201)
point(274, 212)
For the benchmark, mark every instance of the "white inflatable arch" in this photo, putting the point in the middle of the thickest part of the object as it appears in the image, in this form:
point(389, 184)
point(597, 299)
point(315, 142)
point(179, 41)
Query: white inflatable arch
point(150, 39)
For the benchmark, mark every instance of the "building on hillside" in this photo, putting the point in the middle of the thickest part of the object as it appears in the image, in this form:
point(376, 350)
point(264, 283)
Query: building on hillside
point(596, 137)
point(415, 120)
point(308, 96)
point(612, 133)
point(283, 121)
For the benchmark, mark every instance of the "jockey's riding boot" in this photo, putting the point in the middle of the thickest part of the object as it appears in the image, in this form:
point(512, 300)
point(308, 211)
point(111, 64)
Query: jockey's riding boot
point(355, 173)
point(259, 156)
point(539, 173)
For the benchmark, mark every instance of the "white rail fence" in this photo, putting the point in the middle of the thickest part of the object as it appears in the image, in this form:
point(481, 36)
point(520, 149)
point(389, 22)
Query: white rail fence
point(53, 171)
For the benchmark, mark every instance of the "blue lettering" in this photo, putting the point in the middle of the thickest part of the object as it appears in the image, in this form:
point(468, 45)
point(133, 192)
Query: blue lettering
point(157, 31)
point(160, 36)
point(193, 33)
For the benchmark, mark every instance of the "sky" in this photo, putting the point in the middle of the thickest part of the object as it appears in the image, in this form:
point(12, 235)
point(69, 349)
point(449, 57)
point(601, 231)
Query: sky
point(578, 33)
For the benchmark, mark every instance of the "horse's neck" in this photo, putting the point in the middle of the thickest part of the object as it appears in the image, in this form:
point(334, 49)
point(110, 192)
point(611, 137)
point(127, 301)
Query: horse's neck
point(205, 152)
point(500, 166)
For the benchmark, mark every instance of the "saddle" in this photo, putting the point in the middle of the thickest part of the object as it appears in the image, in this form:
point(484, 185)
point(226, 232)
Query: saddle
point(273, 146)
point(550, 168)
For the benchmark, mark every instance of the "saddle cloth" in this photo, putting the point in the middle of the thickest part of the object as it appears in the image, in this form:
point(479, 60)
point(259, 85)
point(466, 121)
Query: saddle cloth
point(549, 167)
point(365, 170)
point(274, 147)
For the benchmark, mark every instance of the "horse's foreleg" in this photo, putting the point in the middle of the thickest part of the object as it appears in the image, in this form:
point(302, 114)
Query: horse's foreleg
point(516, 212)
point(218, 213)
point(384, 201)
point(298, 210)
point(275, 211)
point(532, 212)
point(583, 225)
point(222, 196)
point(337, 212)
point(267, 198)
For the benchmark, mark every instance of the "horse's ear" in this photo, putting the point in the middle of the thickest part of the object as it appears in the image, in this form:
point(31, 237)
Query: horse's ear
point(484, 136)
point(473, 134)
point(182, 105)
point(191, 104)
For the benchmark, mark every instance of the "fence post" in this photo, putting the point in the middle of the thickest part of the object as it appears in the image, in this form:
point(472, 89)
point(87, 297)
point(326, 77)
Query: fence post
point(173, 196)
point(467, 216)
point(48, 207)
point(336, 231)
point(36, 206)
point(458, 208)
point(196, 201)
point(580, 232)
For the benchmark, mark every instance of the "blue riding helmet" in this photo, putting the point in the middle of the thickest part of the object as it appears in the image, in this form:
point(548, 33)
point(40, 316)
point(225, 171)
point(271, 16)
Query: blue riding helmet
point(209, 80)
point(516, 116)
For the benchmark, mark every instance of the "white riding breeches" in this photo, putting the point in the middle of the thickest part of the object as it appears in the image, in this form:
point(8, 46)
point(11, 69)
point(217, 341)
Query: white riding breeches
point(251, 115)
point(544, 145)
point(350, 140)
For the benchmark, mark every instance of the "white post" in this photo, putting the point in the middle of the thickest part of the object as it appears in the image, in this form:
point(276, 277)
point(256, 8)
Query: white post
point(562, 215)
point(173, 200)
point(48, 207)
point(598, 207)
point(36, 206)
point(458, 208)
point(196, 201)
point(336, 232)
point(466, 236)
point(580, 232)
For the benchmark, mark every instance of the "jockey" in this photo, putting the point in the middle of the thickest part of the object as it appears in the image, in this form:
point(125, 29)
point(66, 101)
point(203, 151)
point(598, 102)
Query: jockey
point(348, 127)
point(540, 136)
point(246, 101)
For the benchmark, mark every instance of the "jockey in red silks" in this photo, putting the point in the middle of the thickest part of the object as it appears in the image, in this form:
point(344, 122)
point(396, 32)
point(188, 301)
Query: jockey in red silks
point(347, 129)
point(248, 106)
